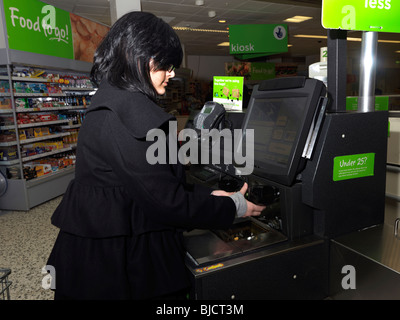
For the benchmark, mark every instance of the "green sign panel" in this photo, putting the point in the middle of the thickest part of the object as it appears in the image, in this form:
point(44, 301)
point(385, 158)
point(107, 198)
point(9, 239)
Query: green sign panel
point(37, 27)
point(361, 15)
point(256, 40)
point(381, 103)
point(229, 92)
point(353, 166)
point(250, 70)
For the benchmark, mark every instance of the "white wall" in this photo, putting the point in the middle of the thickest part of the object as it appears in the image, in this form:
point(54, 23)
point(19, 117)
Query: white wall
point(205, 67)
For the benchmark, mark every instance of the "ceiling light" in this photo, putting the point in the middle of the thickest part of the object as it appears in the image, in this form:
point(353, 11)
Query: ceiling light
point(389, 41)
point(398, 51)
point(310, 36)
point(199, 2)
point(297, 19)
point(199, 30)
point(221, 21)
point(212, 13)
point(223, 44)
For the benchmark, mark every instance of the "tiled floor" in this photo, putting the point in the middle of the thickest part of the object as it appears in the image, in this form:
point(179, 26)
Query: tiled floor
point(26, 239)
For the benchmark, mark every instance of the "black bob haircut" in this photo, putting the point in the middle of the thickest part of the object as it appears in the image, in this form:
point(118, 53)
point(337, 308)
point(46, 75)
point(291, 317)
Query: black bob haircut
point(123, 57)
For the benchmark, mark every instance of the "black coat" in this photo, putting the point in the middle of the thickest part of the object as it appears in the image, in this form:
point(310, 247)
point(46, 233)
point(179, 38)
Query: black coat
point(121, 219)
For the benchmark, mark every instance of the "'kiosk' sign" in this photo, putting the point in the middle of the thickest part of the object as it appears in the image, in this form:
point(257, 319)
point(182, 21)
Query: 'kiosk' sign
point(361, 15)
point(257, 40)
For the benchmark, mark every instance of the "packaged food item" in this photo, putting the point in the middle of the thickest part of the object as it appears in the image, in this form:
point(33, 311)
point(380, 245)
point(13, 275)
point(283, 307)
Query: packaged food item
point(6, 121)
point(37, 132)
point(21, 103)
point(8, 153)
point(45, 131)
point(7, 136)
point(20, 87)
point(29, 173)
point(13, 172)
point(5, 103)
point(4, 86)
point(36, 88)
point(48, 117)
point(23, 118)
point(28, 133)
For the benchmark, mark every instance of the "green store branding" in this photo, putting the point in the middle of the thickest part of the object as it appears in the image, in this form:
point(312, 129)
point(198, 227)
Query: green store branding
point(361, 15)
point(47, 23)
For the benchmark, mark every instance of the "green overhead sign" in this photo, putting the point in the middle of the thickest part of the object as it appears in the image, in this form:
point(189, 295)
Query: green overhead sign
point(361, 15)
point(37, 27)
point(257, 40)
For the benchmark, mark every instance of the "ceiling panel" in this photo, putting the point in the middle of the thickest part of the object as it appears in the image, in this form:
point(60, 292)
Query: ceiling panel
point(183, 12)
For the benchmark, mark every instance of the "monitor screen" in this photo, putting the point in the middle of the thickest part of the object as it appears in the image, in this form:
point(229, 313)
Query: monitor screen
point(276, 123)
point(280, 120)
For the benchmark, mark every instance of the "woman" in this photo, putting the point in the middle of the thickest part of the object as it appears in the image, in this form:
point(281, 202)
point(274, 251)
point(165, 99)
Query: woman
point(121, 219)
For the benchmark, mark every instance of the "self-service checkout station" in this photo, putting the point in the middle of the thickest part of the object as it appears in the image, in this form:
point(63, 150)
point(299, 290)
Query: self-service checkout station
point(319, 170)
point(320, 174)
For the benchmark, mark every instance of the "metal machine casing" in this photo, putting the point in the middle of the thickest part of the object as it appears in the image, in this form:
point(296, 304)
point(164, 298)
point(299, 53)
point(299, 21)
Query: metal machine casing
point(348, 205)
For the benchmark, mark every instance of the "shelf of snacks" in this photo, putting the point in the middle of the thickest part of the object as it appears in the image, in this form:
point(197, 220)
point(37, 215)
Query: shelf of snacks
point(39, 173)
point(36, 150)
point(24, 140)
point(45, 167)
point(41, 111)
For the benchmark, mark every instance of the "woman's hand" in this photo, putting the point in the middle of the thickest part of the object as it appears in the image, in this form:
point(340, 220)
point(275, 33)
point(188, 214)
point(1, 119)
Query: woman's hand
point(252, 209)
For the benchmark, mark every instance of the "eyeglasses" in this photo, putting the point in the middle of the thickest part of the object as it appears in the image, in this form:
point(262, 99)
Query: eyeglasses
point(170, 68)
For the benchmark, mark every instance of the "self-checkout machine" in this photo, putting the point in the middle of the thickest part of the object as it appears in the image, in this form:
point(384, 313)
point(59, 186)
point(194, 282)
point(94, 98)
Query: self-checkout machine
point(321, 172)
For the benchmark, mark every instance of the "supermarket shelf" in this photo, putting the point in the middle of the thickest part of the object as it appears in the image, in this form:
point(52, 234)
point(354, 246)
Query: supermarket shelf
point(11, 56)
point(6, 111)
point(23, 195)
point(77, 89)
point(8, 144)
point(28, 79)
point(44, 80)
point(36, 156)
point(38, 95)
point(26, 110)
point(45, 154)
point(50, 176)
point(9, 162)
point(40, 124)
point(34, 124)
point(48, 137)
point(71, 126)
point(26, 141)
point(50, 109)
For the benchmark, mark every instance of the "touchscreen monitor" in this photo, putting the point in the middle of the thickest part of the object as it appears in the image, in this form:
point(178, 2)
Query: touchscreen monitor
point(280, 115)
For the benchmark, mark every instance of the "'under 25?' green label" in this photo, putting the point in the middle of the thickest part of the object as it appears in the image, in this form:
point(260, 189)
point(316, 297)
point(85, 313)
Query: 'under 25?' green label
point(353, 166)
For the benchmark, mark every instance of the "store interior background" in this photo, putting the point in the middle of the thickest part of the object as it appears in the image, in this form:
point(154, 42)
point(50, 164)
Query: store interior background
point(206, 58)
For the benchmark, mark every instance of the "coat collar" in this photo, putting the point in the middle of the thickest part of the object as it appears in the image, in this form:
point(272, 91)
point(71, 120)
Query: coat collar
point(135, 110)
